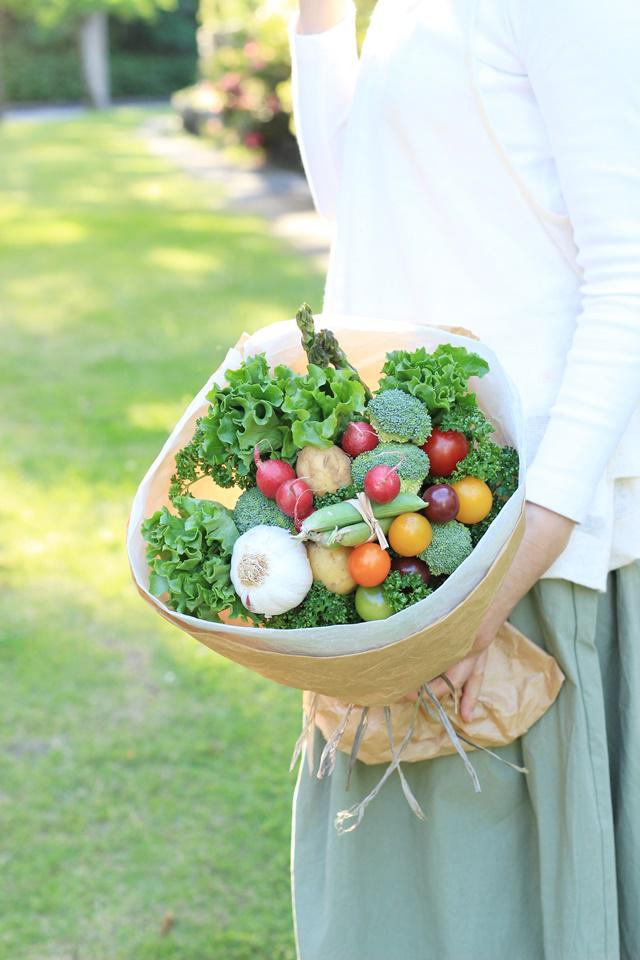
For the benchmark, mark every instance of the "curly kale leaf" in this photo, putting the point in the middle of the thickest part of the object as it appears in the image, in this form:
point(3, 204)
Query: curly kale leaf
point(478, 530)
point(279, 410)
point(497, 466)
point(466, 418)
point(439, 379)
point(337, 496)
point(320, 608)
point(401, 590)
point(189, 556)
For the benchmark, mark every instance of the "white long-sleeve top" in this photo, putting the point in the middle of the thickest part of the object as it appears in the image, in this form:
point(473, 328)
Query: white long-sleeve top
point(481, 160)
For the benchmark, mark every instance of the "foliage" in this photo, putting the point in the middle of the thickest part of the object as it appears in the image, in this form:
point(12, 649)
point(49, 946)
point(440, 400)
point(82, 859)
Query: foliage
point(468, 419)
point(402, 590)
point(496, 465)
point(189, 557)
point(320, 608)
point(127, 746)
point(411, 462)
point(149, 57)
point(451, 544)
point(60, 11)
point(253, 508)
point(245, 75)
point(283, 410)
point(336, 496)
point(499, 468)
point(439, 379)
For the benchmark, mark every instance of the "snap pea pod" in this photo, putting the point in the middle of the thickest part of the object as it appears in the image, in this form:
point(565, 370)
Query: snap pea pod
point(353, 535)
point(344, 515)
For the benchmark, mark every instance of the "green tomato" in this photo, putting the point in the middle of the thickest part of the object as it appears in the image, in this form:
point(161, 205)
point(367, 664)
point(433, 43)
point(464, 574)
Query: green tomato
point(371, 604)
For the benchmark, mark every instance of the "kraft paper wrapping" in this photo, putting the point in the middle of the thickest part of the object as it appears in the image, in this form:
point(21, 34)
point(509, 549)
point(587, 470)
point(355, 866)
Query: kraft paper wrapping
point(366, 663)
point(520, 683)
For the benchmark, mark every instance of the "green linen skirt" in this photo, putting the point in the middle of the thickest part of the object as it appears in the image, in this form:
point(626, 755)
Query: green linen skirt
point(538, 867)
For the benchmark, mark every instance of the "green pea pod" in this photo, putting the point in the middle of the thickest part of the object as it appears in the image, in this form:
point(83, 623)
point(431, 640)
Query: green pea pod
point(344, 514)
point(351, 536)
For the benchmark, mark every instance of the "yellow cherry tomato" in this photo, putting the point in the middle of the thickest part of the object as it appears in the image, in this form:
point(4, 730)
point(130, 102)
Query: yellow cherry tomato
point(475, 499)
point(410, 534)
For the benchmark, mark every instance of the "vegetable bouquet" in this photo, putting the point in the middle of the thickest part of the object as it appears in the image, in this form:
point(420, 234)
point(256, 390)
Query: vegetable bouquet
point(336, 509)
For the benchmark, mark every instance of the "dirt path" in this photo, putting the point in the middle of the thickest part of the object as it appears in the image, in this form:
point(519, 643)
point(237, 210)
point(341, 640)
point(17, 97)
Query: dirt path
point(279, 196)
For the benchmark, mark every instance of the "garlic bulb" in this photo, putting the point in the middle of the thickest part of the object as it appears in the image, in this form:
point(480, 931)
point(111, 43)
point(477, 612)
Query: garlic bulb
point(270, 571)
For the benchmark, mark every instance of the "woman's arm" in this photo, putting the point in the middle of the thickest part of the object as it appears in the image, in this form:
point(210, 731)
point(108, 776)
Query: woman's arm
point(582, 60)
point(324, 59)
point(546, 536)
point(319, 15)
point(583, 65)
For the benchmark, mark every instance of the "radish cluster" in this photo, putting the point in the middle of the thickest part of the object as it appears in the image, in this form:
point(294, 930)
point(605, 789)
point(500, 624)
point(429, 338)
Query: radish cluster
point(277, 480)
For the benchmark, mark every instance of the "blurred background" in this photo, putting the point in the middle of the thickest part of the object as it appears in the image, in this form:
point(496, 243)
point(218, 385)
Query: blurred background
point(151, 209)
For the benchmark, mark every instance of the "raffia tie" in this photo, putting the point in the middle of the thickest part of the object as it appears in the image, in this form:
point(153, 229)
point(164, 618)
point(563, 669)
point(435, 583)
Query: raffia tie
point(362, 504)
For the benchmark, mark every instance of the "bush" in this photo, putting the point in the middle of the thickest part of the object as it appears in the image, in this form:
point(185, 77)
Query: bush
point(148, 58)
point(244, 94)
point(150, 74)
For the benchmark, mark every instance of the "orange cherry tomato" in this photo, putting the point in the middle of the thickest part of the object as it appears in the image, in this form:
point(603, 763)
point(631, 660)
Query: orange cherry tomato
point(369, 564)
point(475, 499)
point(410, 534)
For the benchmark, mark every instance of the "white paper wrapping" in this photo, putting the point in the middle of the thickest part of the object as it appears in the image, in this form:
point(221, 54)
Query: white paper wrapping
point(281, 344)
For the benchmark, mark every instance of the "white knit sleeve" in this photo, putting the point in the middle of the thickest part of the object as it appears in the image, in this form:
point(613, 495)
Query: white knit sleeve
point(584, 68)
point(324, 67)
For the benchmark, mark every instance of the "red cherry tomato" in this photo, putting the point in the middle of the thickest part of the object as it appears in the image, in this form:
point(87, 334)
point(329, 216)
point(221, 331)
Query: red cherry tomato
point(369, 564)
point(445, 449)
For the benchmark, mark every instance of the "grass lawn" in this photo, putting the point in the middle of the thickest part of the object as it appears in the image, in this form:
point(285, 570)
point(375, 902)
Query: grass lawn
point(144, 785)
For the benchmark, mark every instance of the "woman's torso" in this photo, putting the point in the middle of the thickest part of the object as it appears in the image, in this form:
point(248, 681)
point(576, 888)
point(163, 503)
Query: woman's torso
point(450, 212)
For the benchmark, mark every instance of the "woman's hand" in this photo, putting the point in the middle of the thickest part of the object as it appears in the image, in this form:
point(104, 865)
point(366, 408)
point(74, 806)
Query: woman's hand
point(546, 536)
point(319, 15)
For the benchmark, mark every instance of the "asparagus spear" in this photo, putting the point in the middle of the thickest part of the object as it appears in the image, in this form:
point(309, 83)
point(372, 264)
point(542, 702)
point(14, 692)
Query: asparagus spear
point(322, 348)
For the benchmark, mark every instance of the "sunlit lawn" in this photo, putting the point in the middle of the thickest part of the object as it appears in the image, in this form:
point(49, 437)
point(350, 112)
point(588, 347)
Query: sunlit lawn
point(142, 778)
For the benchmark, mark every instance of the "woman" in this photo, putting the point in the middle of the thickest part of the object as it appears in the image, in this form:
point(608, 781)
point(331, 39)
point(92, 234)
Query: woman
point(482, 163)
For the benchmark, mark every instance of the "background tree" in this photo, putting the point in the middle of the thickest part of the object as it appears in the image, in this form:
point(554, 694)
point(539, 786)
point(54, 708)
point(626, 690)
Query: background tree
point(88, 21)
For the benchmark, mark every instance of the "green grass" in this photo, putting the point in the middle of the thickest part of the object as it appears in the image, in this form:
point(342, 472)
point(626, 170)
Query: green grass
point(140, 774)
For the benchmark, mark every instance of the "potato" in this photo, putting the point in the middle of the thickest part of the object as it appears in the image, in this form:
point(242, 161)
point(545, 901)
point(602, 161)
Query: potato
point(330, 565)
point(324, 470)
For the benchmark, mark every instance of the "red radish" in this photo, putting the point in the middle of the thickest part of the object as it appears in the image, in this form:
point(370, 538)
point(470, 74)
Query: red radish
point(295, 499)
point(359, 437)
point(382, 483)
point(271, 474)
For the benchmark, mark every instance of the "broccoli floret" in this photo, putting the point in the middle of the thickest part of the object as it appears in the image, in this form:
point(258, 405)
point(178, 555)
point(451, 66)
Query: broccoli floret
point(320, 608)
point(411, 461)
point(253, 508)
point(397, 416)
point(451, 544)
